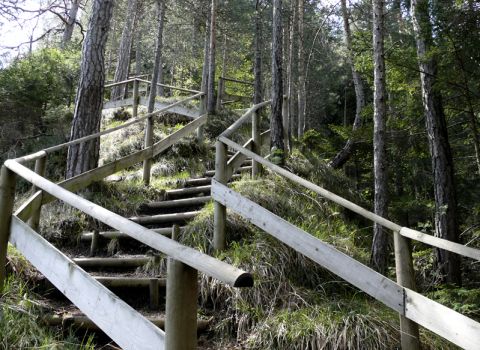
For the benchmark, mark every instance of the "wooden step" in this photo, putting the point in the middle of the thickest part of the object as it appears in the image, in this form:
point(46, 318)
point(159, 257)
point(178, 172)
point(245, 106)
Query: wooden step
point(239, 170)
point(175, 203)
point(130, 282)
point(201, 181)
point(165, 218)
point(129, 262)
point(87, 236)
point(189, 191)
point(83, 322)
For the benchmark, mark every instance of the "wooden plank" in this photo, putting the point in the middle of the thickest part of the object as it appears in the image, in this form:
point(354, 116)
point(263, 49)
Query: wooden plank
point(118, 103)
point(237, 81)
point(210, 266)
point(113, 262)
point(187, 112)
point(119, 83)
point(118, 320)
point(87, 236)
point(317, 189)
point(441, 243)
point(163, 218)
point(361, 276)
point(441, 320)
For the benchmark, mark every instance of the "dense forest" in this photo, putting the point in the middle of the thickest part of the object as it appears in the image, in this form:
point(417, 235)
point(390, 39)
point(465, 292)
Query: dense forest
point(383, 101)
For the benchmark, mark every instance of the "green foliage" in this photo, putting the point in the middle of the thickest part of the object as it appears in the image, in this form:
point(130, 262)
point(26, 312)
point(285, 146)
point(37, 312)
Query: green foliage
point(21, 313)
point(34, 94)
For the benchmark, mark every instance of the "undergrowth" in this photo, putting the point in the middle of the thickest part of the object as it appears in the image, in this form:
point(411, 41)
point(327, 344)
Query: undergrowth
point(21, 325)
point(295, 304)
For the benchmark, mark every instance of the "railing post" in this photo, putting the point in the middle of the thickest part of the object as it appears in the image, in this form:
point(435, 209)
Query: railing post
point(7, 195)
point(135, 98)
point(34, 220)
point(203, 110)
point(257, 142)
point(285, 122)
point(181, 308)
point(147, 163)
point(220, 211)
point(406, 278)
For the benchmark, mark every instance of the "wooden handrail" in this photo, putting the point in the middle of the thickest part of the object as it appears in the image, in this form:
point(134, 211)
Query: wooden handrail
point(406, 232)
point(48, 150)
point(170, 86)
point(202, 262)
point(120, 83)
point(239, 122)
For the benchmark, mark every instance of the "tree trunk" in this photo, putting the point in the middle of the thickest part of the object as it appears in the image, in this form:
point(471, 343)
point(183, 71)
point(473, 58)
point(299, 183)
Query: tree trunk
point(206, 55)
point(301, 72)
point(70, 23)
point(123, 54)
point(88, 103)
point(257, 69)
point(442, 164)
point(380, 238)
point(342, 157)
point(276, 127)
point(291, 91)
point(211, 61)
point(158, 56)
point(138, 38)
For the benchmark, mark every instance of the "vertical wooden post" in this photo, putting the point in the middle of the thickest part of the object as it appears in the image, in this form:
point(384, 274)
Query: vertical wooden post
point(257, 142)
point(203, 110)
point(7, 195)
point(94, 243)
point(34, 220)
point(220, 211)
point(406, 278)
point(220, 93)
point(181, 308)
point(147, 163)
point(135, 98)
point(285, 122)
point(154, 294)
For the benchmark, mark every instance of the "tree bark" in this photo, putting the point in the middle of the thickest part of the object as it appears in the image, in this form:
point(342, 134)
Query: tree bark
point(158, 56)
point(89, 99)
point(206, 54)
point(123, 54)
point(276, 127)
point(70, 23)
point(380, 238)
point(301, 71)
point(446, 226)
point(291, 91)
point(257, 68)
point(211, 61)
point(342, 157)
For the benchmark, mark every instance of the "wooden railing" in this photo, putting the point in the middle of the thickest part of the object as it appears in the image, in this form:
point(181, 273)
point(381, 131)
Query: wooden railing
point(123, 324)
point(413, 308)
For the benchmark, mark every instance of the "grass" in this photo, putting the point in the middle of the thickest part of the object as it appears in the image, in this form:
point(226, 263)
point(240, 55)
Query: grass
point(295, 304)
point(21, 314)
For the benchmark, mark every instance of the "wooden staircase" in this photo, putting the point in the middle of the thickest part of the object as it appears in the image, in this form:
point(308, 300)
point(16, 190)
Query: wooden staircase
point(136, 274)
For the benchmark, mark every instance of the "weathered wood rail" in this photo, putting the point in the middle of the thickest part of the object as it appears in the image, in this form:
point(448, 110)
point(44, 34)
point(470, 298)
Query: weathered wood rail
point(413, 308)
point(123, 324)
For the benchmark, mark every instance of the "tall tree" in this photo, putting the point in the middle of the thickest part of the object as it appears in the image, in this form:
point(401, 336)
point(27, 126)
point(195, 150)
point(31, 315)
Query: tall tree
point(211, 61)
point(380, 238)
point(291, 83)
point(302, 92)
point(342, 157)
point(442, 164)
point(89, 100)
point(276, 127)
point(70, 23)
point(257, 68)
point(123, 64)
point(206, 54)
